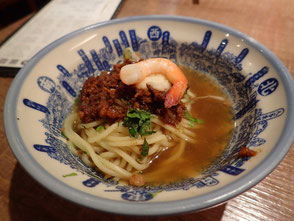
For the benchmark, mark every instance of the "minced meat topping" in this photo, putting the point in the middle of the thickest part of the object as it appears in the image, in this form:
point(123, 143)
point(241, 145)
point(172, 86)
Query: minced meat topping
point(107, 97)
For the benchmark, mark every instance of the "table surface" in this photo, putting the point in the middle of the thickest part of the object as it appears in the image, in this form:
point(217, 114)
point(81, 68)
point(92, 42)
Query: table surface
point(270, 22)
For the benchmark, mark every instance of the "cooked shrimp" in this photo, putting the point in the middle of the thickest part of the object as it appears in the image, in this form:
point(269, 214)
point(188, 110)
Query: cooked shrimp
point(137, 72)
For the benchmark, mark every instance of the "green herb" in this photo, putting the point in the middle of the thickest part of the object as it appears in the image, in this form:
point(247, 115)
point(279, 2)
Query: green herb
point(71, 174)
point(17, 118)
point(145, 148)
point(63, 134)
point(138, 122)
point(155, 193)
point(193, 120)
point(76, 100)
point(100, 128)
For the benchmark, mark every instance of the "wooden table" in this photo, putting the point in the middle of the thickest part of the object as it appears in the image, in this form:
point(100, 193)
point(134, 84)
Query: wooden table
point(271, 22)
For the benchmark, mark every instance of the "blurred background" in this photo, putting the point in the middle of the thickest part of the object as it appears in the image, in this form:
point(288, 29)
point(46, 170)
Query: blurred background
point(13, 10)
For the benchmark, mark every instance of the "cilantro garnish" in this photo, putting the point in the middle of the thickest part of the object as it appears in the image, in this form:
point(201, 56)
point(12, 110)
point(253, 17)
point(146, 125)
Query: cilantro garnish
point(193, 120)
point(145, 148)
point(63, 134)
point(76, 100)
point(138, 122)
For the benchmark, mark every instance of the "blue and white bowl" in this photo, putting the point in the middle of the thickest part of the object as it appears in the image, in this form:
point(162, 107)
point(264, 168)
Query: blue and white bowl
point(44, 91)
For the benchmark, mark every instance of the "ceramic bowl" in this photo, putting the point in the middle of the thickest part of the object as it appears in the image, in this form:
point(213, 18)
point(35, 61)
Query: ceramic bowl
point(43, 92)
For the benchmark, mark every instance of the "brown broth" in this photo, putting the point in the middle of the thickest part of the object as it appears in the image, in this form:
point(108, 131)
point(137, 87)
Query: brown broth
point(212, 136)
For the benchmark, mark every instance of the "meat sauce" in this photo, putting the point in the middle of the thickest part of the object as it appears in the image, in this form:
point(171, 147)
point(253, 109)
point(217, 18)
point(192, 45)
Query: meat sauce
point(107, 97)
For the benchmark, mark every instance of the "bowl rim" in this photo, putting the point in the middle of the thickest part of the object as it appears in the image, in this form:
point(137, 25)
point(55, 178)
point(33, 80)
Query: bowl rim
point(155, 208)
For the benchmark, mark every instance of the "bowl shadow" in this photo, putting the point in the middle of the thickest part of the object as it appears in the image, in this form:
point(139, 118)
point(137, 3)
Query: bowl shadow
point(31, 201)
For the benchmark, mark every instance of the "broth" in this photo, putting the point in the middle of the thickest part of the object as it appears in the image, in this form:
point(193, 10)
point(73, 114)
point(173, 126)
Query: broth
point(212, 136)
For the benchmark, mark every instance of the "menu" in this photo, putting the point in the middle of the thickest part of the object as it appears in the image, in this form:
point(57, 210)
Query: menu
point(57, 18)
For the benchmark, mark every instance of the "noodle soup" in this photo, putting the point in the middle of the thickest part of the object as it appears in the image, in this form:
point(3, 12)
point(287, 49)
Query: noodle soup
point(135, 135)
point(212, 135)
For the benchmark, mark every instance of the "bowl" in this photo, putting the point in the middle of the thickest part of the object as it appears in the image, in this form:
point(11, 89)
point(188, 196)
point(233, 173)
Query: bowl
point(43, 93)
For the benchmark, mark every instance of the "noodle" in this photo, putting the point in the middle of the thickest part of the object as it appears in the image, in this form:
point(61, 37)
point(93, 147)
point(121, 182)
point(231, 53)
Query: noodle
point(174, 131)
point(117, 154)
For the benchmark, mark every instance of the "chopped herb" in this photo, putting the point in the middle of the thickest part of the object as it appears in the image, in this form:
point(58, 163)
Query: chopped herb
point(17, 118)
point(100, 128)
point(76, 100)
point(138, 122)
point(63, 134)
point(155, 193)
point(193, 120)
point(71, 174)
point(145, 148)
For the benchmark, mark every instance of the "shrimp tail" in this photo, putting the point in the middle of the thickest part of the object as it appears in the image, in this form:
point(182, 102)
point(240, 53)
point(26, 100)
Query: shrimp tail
point(132, 74)
point(175, 94)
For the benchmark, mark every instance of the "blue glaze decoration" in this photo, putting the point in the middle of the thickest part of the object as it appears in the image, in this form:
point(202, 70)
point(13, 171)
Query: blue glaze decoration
point(268, 86)
point(96, 60)
point(249, 106)
point(91, 182)
point(69, 89)
point(107, 44)
point(210, 181)
point(221, 47)
point(124, 39)
point(165, 44)
point(242, 55)
point(118, 48)
point(234, 171)
point(46, 84)
point(137, 196)
point(87, 61)
point(205, 40)
point(134, 40)
point(271, 115)
point(63, 70)
point(250, 82)
point(44, 148)
point(36, 106)
point(154, 33)
point(106, 66)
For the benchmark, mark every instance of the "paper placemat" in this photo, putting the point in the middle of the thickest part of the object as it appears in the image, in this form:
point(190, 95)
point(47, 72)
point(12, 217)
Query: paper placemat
point(57, 18)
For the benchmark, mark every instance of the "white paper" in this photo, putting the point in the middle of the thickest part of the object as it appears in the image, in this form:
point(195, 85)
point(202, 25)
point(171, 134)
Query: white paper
point(57, 18)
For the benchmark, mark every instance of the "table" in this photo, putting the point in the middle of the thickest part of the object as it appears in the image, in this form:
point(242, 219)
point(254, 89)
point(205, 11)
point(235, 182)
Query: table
point(268, 21)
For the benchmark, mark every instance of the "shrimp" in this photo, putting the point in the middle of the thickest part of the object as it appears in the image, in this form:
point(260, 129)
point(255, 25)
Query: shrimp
point(137, 72)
